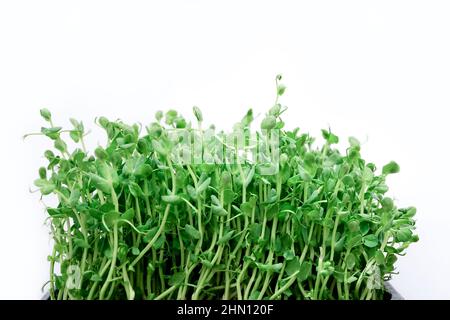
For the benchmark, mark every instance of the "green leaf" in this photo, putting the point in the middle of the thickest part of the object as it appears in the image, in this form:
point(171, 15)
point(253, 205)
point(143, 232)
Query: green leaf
point(247, 208)
point(215, 201)
point(180, 123)
point(135, 251)
point(269, 267)
point(159, 148)
point(56, 213)
point(150, 268)
point(338, 274)
point(52, 133)
point(255, 231)
point(45, 113)
point(128, 215)
point(105, 208)
point(268, 122)
point(379, 257)
point(228, 196)
point(272, 211)
point(390, 168)
point(411, 212)
point(289, 255)
point(354, 142)
point(315, 195)
point(46, 187)
point(60, 145)
point(203, 186)
point(403, 235)
point(136, 167)
point(75, 135)
point(81, 243)
point(350, 261)
point(108, 173)
point(367, 175)
point(135, 190)
point(387, 204)
point(111, 218)
point(78, 157)
point(159, 242)
point(391, 259)
point(219, 211)
point(177, 279)
point(381, 188)
point(150, 234)
point(309, 159)
point(192, 232)
point(76, 124)
point(101, 153)
point(280, 89)
point(96, 277)
point(248, 118)
point(49, 155)
point(340, 244)
point(159, 115)
point(353, 241)
point(354, 154)
point(292, 266)
point(181, 179)
point(348, 180)
point(327, 269)
point(227, 237)
point(328, 223)
point(364, 227)
point(370, 241)
point(198, 114)
point(353, 225)
point(171, 115)
point(330, 137)
point(103, 122)
point(352, 279)
point(100, 183)
point(294, 180)
point(313, 213)
point(172, 198)
point(74, 197)
point(305, 271)
point(192, 192)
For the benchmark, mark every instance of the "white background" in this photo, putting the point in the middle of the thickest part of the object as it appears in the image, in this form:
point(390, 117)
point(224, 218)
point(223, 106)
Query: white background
point(377, 70)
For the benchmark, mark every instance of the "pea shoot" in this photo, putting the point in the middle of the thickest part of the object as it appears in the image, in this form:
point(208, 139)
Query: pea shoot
point(150, 216)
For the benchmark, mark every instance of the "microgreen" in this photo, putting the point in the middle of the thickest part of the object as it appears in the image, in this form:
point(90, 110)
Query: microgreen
point(139, 225)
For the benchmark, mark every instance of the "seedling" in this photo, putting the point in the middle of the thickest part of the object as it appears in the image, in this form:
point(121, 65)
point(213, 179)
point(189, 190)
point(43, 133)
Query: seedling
point(136, 223)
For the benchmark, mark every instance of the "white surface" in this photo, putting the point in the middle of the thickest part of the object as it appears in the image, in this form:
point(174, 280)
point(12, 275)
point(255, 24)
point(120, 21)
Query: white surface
point(377, 69)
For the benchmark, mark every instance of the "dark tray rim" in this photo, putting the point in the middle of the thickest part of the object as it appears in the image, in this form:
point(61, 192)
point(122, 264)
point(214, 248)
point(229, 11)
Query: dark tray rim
point(390, 294)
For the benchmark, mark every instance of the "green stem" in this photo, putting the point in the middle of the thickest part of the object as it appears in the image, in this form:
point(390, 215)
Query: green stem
point(166, 293)
point(269, 259)
point(113, 262)
point(128, 287)
point(155, 237)
point(52, 274)
point(288, 284)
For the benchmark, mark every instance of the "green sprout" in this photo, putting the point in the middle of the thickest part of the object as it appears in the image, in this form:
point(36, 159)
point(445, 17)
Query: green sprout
point(137, 224)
